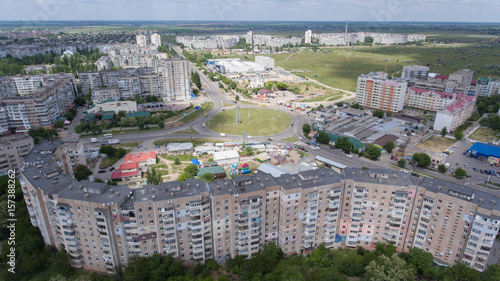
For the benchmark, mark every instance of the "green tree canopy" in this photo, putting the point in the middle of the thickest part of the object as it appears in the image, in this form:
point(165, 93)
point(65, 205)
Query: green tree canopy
point(378, 113)
point(208, 177)
point(389, 146)
point(390, 269)
point(344, 144)
point(323, 137)
point(402, 163)
point(460, 173)
point(422, 159)
point(306, 128)
point(372, 151)
point(444, 131)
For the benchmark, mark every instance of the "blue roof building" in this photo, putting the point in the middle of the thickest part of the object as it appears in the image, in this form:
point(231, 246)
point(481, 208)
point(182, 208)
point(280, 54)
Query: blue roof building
point(484, 150)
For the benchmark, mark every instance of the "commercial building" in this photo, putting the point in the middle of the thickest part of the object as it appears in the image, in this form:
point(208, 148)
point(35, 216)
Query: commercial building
point(456, 114)
point(13, 149)
point(485, 151)
point(113, 105)
point(226, 158)
point(267, 62)
point(415, 72)
point(143, 159)
point(234, 65)
point(194, 221)
point(374, 90)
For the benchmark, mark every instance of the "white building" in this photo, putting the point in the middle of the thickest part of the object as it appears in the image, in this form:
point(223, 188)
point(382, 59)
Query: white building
point(234, 65)
point(141, 40)
point(308, 37)
point(267, 62)
point(226, 158)
point(113, 105)
point(156, 39)
point(455, 115)
point(174, 77)
point(102, 94)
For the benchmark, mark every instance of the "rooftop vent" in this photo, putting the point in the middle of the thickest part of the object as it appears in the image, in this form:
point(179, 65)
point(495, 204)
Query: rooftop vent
point(87, 195)
point(197, 185)
point(493, 202)
point(153, 196)
point(172, 194)
point(481, 200)
point(257, 179)
point(117, 194)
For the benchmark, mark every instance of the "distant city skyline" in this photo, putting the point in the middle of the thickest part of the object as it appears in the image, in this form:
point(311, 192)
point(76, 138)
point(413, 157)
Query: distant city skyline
point(252, 10)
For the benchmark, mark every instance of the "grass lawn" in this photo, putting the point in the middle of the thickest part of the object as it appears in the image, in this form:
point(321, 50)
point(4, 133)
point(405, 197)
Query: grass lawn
point(290, 139)
point(331, 97)
point(254, 120)
point(340, 67)
point(130, 144)
point(436, 143)
point(187, 131)
point(484, 135)
point(205, 107)
point(109, 161)
point(247, 102)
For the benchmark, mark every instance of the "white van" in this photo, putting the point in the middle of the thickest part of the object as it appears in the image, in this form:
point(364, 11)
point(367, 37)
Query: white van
point(223, 135)
point(107, 136)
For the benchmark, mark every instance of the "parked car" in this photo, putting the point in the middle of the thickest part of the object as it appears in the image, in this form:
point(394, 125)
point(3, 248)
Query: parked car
point(103, 167)
point(415, 175)
point(466, 165)
point(139, 146)
point(481, 171)
point(270, 139)
point(475, 169)
point(101, 171)
point(395, 159)
point(112, 169)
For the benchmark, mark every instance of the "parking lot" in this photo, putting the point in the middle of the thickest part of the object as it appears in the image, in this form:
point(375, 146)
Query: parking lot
point(459, 158)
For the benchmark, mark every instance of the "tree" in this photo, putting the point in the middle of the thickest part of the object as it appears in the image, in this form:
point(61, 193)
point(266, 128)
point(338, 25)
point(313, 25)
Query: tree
point(442, 168)
point(59, 123)
point(389, 146)
point(177, 161)
point(269, 85)
point(388, 114)
point(323, 137)
point(152, 177)
point(423, 262)
point(459, 135)
point(161, 124)
point(378, 113)
point(233, 85)
point(402, 163)
point(444, 131)
point(390, 269)
point(460, 173)
point(422, 159)
point(281, 86)
point(237, 98)
point(191, 170)
point(82, 173)
point(356, 106)
point(372, 152)
point(249, 151)
point(208, 177)
point(195, 78)
point(343, 143)
point(306, 128)
point(80, 101)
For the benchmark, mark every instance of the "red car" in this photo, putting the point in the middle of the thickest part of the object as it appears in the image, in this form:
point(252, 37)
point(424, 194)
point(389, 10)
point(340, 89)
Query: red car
point(395, 159)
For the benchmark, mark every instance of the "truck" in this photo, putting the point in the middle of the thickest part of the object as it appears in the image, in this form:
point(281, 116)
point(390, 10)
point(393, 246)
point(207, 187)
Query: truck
point(114, 141)
point(94, 140)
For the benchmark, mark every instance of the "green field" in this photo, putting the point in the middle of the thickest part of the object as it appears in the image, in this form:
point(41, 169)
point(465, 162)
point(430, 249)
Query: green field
point(254, 121)
point(437, 144)
point(340, 67)
point(484, 135)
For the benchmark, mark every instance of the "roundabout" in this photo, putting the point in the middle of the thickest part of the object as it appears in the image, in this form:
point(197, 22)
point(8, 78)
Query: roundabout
point(253, 121)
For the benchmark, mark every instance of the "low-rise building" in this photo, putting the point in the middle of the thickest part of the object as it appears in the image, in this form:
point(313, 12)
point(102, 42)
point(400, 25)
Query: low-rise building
point(113, 105)
point(218, 172)
point(227, 157)
point(180, 148)
point(143, 159)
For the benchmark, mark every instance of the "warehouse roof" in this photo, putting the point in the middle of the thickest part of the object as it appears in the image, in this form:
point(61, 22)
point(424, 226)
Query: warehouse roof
point(485, 149)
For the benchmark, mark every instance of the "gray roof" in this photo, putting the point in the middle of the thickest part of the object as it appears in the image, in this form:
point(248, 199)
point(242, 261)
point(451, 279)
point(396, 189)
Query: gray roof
point(42, 152)
point(316, 178)
point(271, 169)
point(382, 176)
point(95, 192)
point(179, 146)
point(254, 183)
point(330, 162)
point(170, 190)
point(479, 197)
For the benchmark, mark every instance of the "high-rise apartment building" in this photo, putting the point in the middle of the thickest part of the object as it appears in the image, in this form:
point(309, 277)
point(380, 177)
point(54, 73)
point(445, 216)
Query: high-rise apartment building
point(174, 77)
point(141, 40)
point(38, 109)
point(374, 90)
point(13, 149)
point(308, 37)
point(104, 63)
point(156, 39)
point(463, 77)
point(415, 72)
point(102, 227)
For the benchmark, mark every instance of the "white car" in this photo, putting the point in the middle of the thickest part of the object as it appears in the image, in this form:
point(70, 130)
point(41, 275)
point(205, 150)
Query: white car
point(456, 145)
point(349, 155)
point(203, 124)
point(250, 137)
point(312, 147)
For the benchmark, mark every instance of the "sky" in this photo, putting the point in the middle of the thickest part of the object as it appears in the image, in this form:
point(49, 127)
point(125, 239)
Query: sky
point(252, 10)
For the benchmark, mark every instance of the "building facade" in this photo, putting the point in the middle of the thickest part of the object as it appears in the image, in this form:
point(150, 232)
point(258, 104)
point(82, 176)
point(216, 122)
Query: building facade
point(456, 114)
point(102, 227)
point(13, 149)
point(415, 72)
point(374, 90)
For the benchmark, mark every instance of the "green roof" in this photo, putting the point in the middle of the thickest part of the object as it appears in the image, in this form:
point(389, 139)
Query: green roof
point(214, 170)
point(90, 116)
point(108, 115)
point(139, 114)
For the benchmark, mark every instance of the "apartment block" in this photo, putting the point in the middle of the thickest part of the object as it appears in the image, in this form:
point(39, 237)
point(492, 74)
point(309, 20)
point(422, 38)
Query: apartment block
point(13, 149)
point(415, 72)
point(174, 77)
point(102, 227)
point(374, 90)
point(308, 37)
point(104, 63)
point(455, 114)
point(430, 99)
point(156, 39)
point(142, 40)
point(38, 109)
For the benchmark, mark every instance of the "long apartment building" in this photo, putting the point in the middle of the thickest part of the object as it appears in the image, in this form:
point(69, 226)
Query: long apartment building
point(13, 149)
point(169, 80)
point(38, 109)
point(23, 85)
point(374, 90)
point(430, 99)
point(102, 227)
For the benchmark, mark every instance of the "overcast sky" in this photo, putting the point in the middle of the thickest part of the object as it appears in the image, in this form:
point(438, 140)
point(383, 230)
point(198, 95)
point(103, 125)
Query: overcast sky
point(258, 10)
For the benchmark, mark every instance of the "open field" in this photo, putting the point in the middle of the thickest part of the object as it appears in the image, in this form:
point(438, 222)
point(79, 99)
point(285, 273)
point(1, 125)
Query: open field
point(340, 67)
point(436, 143)
point(484, 135)
point(254, 121)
